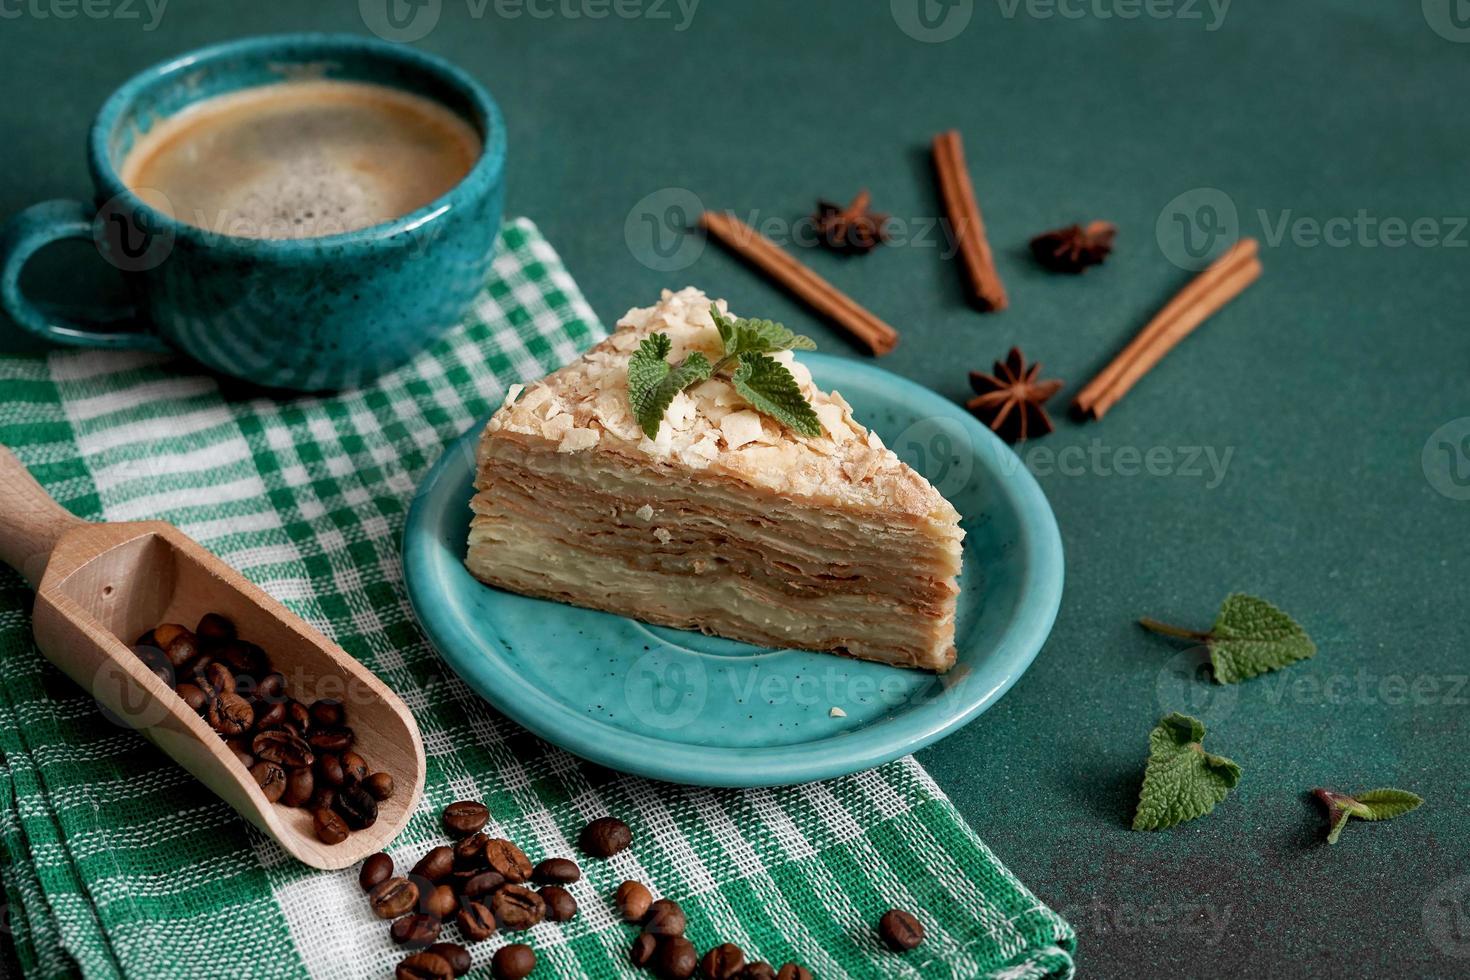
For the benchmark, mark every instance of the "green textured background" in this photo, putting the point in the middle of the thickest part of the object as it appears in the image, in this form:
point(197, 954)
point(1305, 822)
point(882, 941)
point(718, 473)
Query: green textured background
point(1324, 382)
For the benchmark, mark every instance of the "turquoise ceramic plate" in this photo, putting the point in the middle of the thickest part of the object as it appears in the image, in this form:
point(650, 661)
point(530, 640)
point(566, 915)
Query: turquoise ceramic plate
point(684, 707)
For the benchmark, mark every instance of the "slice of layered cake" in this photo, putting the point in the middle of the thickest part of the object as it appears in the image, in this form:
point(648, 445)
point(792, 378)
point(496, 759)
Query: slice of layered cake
point(695, 501)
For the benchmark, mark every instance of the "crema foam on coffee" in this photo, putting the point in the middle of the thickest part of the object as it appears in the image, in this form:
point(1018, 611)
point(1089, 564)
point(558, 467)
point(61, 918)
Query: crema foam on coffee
point(302, 159)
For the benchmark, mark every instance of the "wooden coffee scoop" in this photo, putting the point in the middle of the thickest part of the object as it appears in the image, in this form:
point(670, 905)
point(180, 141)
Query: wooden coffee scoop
point(101, 586)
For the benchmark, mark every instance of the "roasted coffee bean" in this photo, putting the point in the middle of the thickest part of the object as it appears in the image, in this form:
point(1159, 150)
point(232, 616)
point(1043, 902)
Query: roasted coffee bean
point(246, 687)
point(213, 626)
point(665, 918)
point(328, 713)
point(633, 900)
point(283, 747)
point(641, 953)
point(167, 633)
point(483, 884)
point(414, 931)
point(605, 837)
point(469, 854)
point(380, 784)
point(509, 860)
point(723, 962)
point(271, 779)
point(454, 954)
point(329, 769)
point(513, 962)
point(441, 902)
point(230, 714)
point(437, 864)
point(357, 806)
point(427, 965)
point(476, 922)
point(219, 678)
point(193, 696)
point(322, 798)
point(269, 714)
point(759, 970)
point(299, 786)
point(393, 897)
point(675, 958)
point(181, 650)
point(151, 656)
point(517, 907)
point(556, 871)
point(298, 716)
point(425, 887)
point(560, 905)
point(793, 971)
point(272, 688)
point(375, 870)
point(354, 769)
point(243, 658)
point(330, 739)
point(241, 748)
point(464, 817)
point(194, 672)
point(330, 828)
point(900, 931)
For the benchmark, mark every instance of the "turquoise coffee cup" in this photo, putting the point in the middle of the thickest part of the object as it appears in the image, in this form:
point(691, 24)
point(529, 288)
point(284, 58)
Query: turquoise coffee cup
point(302, 313)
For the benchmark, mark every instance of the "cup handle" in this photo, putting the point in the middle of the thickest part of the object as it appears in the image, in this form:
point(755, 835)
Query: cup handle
point(23, 236)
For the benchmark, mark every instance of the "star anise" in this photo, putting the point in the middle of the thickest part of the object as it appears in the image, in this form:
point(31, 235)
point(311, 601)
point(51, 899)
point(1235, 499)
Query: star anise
point(852, 230)
point(1011, 400)
point(1075, 248)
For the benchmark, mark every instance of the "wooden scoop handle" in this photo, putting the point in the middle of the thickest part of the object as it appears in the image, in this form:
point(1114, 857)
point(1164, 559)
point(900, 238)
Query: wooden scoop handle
point(30, 521)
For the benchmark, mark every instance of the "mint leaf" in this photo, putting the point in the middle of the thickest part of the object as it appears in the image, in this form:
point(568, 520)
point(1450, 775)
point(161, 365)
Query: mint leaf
point(1250, 637)
point(653, 382)
point(757, 336)
point(1182, 780)
point(772, 390)
point(766, 383)
point(1385, 804)
point(1376, 804)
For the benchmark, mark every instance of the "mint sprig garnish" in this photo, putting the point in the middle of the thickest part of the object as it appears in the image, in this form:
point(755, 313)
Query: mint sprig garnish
point(764, 382)
point(1250, 637)
point(1376, 804)
point(1182, 781)
point(653, 381)
point(771, 390)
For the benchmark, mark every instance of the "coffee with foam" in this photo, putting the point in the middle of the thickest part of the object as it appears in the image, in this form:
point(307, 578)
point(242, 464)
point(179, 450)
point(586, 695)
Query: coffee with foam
point(303, 159)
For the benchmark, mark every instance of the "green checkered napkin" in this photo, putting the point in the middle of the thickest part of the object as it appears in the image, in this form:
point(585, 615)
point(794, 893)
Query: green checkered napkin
point(115, 863)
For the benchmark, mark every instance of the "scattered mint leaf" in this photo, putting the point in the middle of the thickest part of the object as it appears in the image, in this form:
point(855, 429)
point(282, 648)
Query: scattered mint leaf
point(766, 383)
point(1385, 804)
point(653, 382)
point(1250, 637)
point(771, 390)
point(756, 336)
point(1376, 804)
point(1182, 780)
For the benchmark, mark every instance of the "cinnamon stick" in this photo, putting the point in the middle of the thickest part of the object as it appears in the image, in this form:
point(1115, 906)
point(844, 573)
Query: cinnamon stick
point(1225, 278)
point(964, 217)
point(805, 284)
